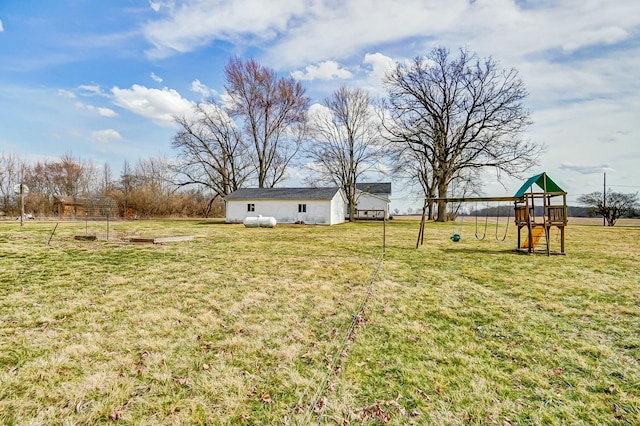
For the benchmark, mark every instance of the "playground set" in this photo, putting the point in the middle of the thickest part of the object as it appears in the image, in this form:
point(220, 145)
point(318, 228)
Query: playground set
point(535, 211)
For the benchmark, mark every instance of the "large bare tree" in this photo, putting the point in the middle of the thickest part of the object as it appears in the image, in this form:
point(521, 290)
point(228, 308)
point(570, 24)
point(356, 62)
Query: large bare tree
point(272, 111)
point(211, 151)
point(345, 140)
point(411, 165)
point(460, 113)
point(612, 207)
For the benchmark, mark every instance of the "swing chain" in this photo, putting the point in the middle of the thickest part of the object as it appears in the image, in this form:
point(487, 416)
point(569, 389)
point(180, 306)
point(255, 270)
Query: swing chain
point(455, 236)
point(504, 237)
point(486, 219)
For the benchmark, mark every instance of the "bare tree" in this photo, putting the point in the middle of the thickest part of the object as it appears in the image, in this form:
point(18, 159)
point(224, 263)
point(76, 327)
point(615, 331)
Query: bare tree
point(127, 182)
point(211, 152)
point(156, 173)
point(346, 140)
point(272, 111)
point(154, 186)
point(11, 168)
point(460, 113)
point(68, 176)
point(106, 179)
point(413, 167)
point(614, 207)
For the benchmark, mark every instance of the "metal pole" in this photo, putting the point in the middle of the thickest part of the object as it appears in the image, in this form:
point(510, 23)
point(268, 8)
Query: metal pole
point(604, 201)
point(384, 232)
point(21, 204)
point(22, 195)
point(53, 232)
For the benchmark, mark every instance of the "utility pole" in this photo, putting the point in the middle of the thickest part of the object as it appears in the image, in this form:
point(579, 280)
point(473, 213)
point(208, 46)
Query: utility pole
point(21, 190)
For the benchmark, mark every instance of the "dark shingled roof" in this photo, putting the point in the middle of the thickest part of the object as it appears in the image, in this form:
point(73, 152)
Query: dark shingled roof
point(375, 188)
point(283, 194)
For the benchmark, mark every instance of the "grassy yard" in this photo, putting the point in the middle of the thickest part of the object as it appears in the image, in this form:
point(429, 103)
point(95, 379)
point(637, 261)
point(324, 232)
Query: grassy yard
point(259, 326)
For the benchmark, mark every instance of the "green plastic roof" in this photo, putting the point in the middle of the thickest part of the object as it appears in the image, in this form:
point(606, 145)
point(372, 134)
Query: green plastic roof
point(543, 181)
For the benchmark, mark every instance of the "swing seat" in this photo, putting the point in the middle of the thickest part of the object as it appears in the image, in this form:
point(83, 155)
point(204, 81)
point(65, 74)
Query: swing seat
point(455, 238)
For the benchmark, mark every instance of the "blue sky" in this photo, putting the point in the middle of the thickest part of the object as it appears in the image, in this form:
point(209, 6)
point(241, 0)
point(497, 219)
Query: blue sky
point(102, 79)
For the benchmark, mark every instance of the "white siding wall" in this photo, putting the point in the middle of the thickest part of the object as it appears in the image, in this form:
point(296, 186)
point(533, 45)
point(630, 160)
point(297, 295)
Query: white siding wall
point(322, 212)
point(366, 201)
point(338, 207)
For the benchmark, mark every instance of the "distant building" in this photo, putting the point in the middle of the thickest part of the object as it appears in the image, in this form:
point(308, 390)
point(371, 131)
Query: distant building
point(92, 206)
point(321, 206)
point(372, 200)
point(382, 189)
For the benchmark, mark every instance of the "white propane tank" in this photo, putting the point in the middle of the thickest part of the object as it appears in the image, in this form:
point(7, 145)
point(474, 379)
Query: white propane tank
point(259, 222)
point(267, 222)
point(251, 222)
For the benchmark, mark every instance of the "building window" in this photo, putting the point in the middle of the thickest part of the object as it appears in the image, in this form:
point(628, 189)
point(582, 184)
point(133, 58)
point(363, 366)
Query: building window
point(251, 207)
point(302, 208)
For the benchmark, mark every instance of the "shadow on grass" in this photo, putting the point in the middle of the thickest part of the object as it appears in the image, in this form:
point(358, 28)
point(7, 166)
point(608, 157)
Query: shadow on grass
point(212, 221)
point(481, 251)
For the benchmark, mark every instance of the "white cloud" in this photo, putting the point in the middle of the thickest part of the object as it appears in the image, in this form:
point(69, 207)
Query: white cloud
point(156, 78)
point(226, 100)
point(1, 26)
point(294, 34)
point(608, 35)
point(104, 136)
point(198, 22)
point(161, 106)
point(104, 112)
point(319, 112)
point(548, 28)
point(91, 89)
point(66, 94)
point(340, 29)
point(586, 169)
point(327, 70)
point(156, 6)
point(198, 87)
point(379, 65)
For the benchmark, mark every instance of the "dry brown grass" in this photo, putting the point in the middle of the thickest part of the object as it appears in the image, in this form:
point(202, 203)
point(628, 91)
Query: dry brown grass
point(242, 326)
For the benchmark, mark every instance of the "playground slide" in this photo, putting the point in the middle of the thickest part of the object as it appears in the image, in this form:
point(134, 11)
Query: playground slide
point(536, 233)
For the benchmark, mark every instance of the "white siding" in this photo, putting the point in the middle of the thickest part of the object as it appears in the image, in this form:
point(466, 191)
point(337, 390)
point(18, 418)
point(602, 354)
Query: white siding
point(321, 212)
point(338, 212)
point(366, 201)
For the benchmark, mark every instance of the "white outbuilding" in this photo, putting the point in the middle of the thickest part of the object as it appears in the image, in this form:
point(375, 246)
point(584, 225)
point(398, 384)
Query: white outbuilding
point(372, 200)
point(321, 206)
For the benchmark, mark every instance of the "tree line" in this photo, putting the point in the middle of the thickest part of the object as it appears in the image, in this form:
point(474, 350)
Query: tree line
point(144, 189)
point(619, 206)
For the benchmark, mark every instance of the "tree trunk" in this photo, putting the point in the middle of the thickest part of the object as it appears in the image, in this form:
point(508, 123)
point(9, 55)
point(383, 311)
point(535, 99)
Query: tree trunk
point(352, 209)
point(442, 205)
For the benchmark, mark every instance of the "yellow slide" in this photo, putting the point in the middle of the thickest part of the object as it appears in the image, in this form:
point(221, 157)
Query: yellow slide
point(536, 233)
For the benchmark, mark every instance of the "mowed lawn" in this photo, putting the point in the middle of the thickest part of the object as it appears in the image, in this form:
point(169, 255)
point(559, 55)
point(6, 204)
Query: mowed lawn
point(265, 326)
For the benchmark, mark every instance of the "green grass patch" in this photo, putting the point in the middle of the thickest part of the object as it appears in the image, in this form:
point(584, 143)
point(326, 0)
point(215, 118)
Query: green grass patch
point(243, 326)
